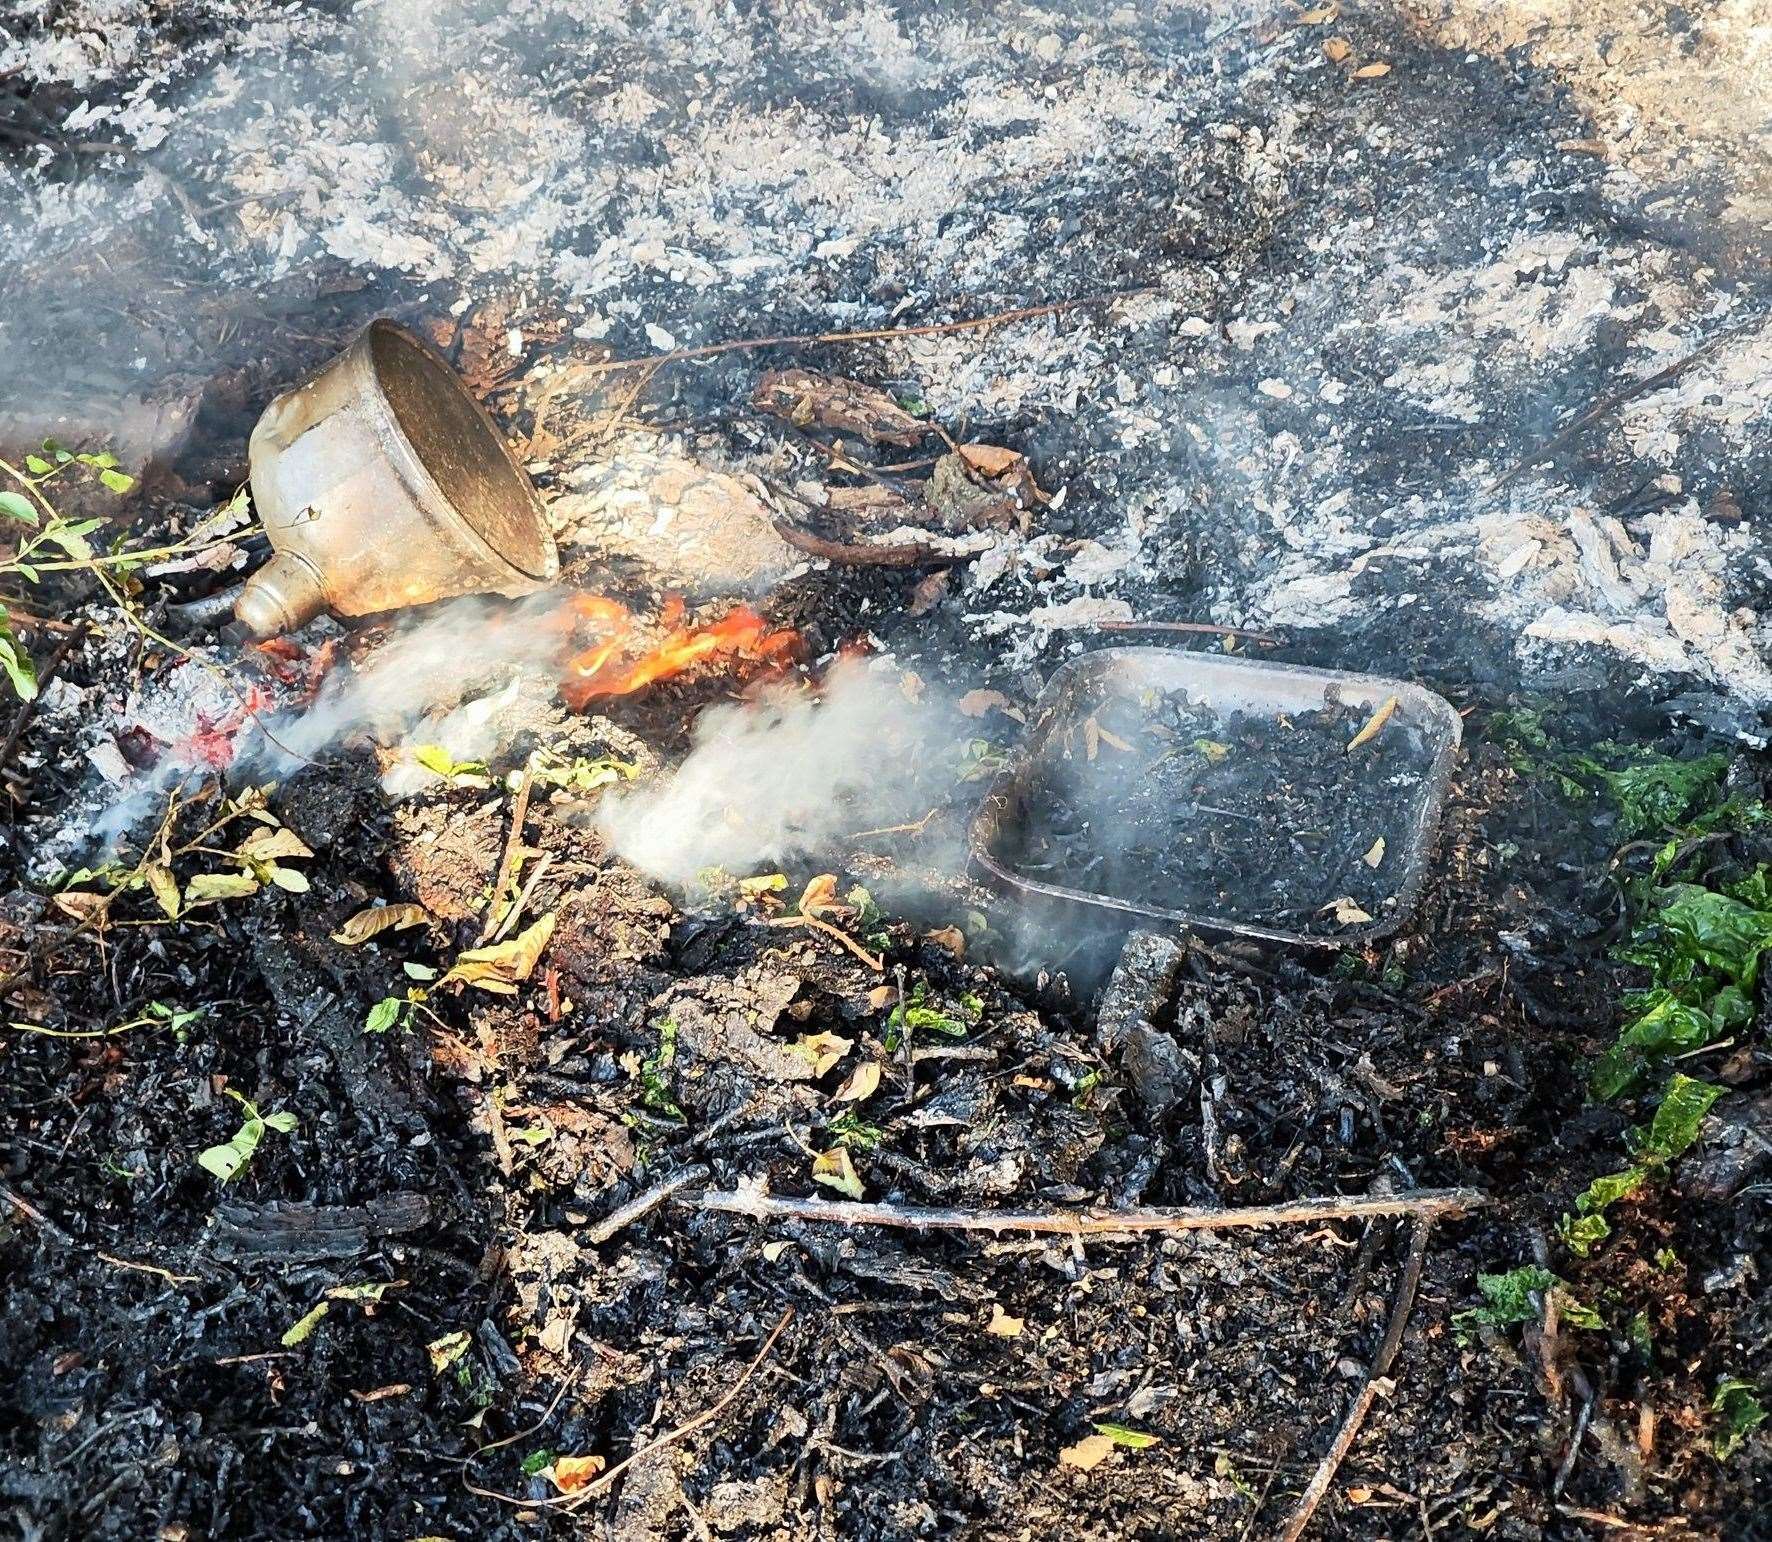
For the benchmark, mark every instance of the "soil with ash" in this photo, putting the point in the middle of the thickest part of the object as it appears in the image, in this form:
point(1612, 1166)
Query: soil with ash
point(1241, 816)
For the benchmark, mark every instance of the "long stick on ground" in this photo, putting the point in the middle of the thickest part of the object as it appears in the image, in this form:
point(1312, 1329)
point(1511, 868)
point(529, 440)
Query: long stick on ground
point(1203, 628)
point(933, 329)
point(1312, 1496)
point(1425, 1204)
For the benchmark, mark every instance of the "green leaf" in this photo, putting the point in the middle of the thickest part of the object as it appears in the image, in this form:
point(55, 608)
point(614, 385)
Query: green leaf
point(1742, 1412)
point(18, 666)
point(1678, 1117)
point(102, 460)
point(70, 540)
point(1122, 1435)
point(1507, 1298)
point(228, 1158)
point(37, 465)
point(1576, 1314)
point(304, 1329)
point(1580, 1233)
point(536, 1461)
point(17, 506)
point(415, 971)
point(383, 1015)
point(282, 1121)
point(117, 481)
point(1609, 1189)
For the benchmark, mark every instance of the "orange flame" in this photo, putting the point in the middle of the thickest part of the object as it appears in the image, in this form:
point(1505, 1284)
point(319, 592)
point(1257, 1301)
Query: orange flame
point(619, 663)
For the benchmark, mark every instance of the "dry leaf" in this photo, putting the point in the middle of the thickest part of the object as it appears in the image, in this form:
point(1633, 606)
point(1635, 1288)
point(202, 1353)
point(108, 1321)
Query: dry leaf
point(1090, 1451)
point(803, 396)
point(1321, 14)
point(820, 895)
point(377, 919)
point(164, 887)
point(499, 967)
point(1358, 1496)
point(824, 1050)
point(910, 684)
point(379, 1394)
point(977, 703)
point(1374, 724)
point(272, 845)
point(1583, 147)
point(1376, 854)
point(1091, 737)
point(990, 460)
point(928, 592)
point(81, 904)
point(772, 1251)
point(863, 1083)
point(1345, 911)
point(1337, 49)
point(1123, 745)
point(949, 937)
point(445, 1351)
point(1002, 1325)
point(834, 1169)
point(1371, 71)
point(763, 883)
point(882, 996)
point(571, 1473)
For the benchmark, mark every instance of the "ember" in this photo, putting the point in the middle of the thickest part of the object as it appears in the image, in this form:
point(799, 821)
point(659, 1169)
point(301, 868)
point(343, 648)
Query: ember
point(620, 662)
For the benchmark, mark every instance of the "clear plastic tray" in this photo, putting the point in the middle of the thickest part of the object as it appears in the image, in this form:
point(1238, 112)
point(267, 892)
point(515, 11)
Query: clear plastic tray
point(1227, 685)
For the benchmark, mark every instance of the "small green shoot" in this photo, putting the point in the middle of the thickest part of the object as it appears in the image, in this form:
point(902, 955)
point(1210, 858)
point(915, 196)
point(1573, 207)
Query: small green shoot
point(457, 773)
point(1737, 1405)
point(228, 1159)
point(850, 1129)
point(655, 1091)
point(1515, 1297)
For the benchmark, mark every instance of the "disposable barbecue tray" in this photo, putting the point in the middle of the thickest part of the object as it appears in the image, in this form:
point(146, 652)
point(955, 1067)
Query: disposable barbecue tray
point(1422, 735)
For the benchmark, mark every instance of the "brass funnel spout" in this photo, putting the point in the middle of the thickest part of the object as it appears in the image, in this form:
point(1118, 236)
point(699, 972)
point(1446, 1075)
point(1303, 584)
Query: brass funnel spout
point(382, 483)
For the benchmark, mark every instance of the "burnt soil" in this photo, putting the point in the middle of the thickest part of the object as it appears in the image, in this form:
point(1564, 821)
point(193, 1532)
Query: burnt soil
point(1151, 797)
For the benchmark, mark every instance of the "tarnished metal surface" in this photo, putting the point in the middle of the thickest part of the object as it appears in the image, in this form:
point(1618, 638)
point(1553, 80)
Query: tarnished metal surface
point(382, 483)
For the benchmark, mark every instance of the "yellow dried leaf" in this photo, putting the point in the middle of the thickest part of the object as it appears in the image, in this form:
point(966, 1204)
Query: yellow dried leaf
point(1371, 71)
point(501, 966)
point(271, 845)
point(304, 1329)
point(824, 1050)
point(164, 887)
point(445, 1351)
point(571, 1473)
point(977, 703)
point(1374, 724)
point(378, 919)
point(1375, 854)
point(990, 460)
point(763, 883)
point(1337, 49)
point(882, 996)
point(835, 1171)
point(207, 887)
point(1002, 1325)
point(820, 895)
point(863, 1083)
point(910, 685)
point(1123, 745)
point(379, 1394)
point(1316, 17)
point(81, 904)
point(1090, 1451)
point(1345, 911)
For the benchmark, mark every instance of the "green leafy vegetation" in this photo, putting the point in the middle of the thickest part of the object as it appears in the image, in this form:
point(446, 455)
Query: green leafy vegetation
point(231, 1156)
point(458, 773)
point(850, 1129)
point(655, 1090)
point(1516, 1297)
point(914, 1015)
point(1739, 1413)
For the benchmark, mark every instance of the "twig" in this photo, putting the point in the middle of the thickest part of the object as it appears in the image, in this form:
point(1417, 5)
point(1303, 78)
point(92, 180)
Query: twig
point(645, 1204)
point(571, 1502)
point(1205, 628)
point(507, 864)
point(1306, 1508)
point(910, 554)
point(1617, 399)
point(872, 960)
point(933, 329)
point(28, 710)
point(1424, 1203)
point(67, 1240)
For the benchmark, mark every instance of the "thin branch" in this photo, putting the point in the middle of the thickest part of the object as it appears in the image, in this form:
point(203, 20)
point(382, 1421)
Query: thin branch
point(854, 554)
point(508, 863)
point(1312, 1497)
point(644, 1204)
point(872, 960)
point(1423, 1203)
point(933, 329)
point(1618, 398)
point(1204, 628)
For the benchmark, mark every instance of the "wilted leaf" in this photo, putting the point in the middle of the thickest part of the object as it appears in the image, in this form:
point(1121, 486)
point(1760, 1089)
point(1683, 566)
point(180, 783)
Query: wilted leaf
point(209, 887)
point(501, 966)
point(571, 1473)
point(882, 996)
point(949, 937)
point(1337, 48)
point(820, 895)
point(378, 919)
point(928, 591)
point(304, 1329)
point(990, 460)
point(291, 879)
point(863, 1083)
point(164, 888)
point(1371, 71)
point(834, 1169)
point(444, 1352)
point(1089, 1452)
point(1002, 1325)
point(1345, 911)
point(824, 1050)
point(372, 1290)
point(378, 1394)
point(272, 845)
point(1375, 853)
point(772, 1251)
point(1374, 724)
point(1091, 737)
point(1122, 1435)
point(763, 883)
point(977, 703)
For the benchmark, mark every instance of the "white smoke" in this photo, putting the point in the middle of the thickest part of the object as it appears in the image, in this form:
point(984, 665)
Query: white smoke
point(788, 777)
